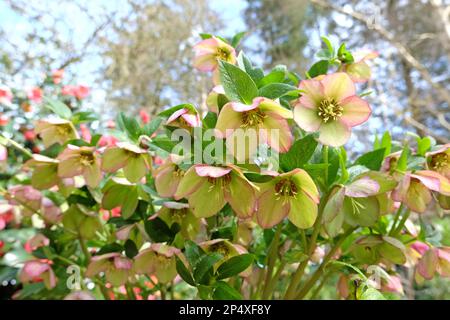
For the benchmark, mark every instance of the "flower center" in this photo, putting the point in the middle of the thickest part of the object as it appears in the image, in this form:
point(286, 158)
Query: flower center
point(329, 109)
point(286, 187)
point(223, 54)
point(440, 161)
point(222, 181)
point(252, 118)
point(221, 248)
point(86, 158)
point(63, 130)
point(177, 172)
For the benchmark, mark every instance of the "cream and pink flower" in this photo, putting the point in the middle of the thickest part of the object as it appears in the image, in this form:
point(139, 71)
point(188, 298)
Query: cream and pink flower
point(55, 131)
point(184, 118)
point(76, 161)
point(117, 268)
point(38, 271)
point(134, 161)
point(167, 178)
point(267, 119)
point(359, 70)
point(329, 105)
point(439, 160)
point(208, 52)
point(209, 188)
point(415, 189)
point(293, 195)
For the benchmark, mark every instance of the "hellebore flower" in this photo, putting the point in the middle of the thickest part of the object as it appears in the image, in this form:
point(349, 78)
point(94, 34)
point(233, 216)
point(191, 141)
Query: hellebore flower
point(216, 98)
point(208, 52)
point(208, 188)
point(6, 214)
point(159, 259)
point(186, 118)
point(293, 195)
point(434, 260)
point(414, 189)
point(25, 196)
point(330, 105)
point(116, 267)
point(167, 178)
point(75, 161)
point(6, 95)
point(134, 161)
point(37, 271)
point(359, 70)
point(55, 131)
point(50, 212)
point(45, 173)
point(35, 242)
point(439, 161)
point(263, 116)
point(177, 212)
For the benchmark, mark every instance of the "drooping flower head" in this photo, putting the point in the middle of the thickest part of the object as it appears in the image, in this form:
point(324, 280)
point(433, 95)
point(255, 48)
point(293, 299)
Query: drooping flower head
point(359, 70)
point(209, 51)
point(266, 117)
point(439, 161)
point(186, 118)
point(37, 271)
point(167, 178)
point(116, 267)
point(75, 161)
point(209, 188)
point(330, 106)
point(432, 261)
point(135, 161)
point(293, 195)
point(415, 189)
point(55, 131)
point(158, 259)
point(25, 196)
point(45, 171)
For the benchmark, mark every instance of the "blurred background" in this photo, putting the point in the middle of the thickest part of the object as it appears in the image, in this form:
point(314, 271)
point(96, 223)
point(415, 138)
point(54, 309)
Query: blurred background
point(136, 55)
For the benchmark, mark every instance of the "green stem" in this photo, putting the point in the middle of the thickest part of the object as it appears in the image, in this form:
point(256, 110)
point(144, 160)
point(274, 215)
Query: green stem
point(397, 216)
point(402, 222)
point(325, 160)
point(17, 146)
point(320, 286)
point(316, 275)
point(272, 257)
point(130, 292)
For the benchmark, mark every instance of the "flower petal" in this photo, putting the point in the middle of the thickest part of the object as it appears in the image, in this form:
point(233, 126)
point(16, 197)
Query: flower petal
point(92, 174)
point(277, 134)
point(356, 111)
point(271, 209)
point(338, 86)
point(204, 170)
point(307, 118)
point(313, 92)
point(304, 182)
point(190, 183)
point(241, 196)
point(135, 168)
point(303, 211)
point(228, 120)
point(334, 133)
point(113, 159)
point(207, 200)
point(270, 106)
point(166, 182)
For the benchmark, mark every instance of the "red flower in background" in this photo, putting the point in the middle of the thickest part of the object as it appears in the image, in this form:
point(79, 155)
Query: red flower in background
point(145, 117)
point(57, 76)
point(6, 95)
point(35, 94)
point(80, 91)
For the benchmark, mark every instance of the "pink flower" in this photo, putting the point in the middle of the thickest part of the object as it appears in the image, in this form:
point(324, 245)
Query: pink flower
point(75, 161)
point(57, 76)
point(79, 91)
point(107, 141)
point(37, 241)
point(434, 260)
point(264, 116)
point(35, 94)
point(167, 178)
point(4, 120)
point(184, 118)
point(6, 215)
point(50, 212)
point(145, 117)
point(85, 132)
point(293, 195)
point(209, 51)
point(414, 189)
point(25, 196)
point(116, 267)
point(37, 271)
point(6, 95)
point(3, 153)
point(209, 188)
point(330, 106)
point(359, 70)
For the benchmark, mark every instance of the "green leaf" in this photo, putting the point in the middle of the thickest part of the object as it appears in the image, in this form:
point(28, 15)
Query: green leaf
point(193, 252)
point(256, 177)
point(276, 90)
point(168, 112)
point(223, 291)
point(234, 266)
point(131, 249)
point(237, 38)
point(372, 159)
point(204, 267)
point(184, 272)
point(274, 76)
point(402, 163)
point(129, 125)
point(423, 145)
point(386, 142)
point(209, 121)
point(245, 64)
point(372, 294)
point(58, 107)
point(328, 45)
point(318, 68)
point(344, 55)
point(299, 154)
point(158, 230)
point(152, 126)
point(237, 84)
point(83, 116)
